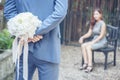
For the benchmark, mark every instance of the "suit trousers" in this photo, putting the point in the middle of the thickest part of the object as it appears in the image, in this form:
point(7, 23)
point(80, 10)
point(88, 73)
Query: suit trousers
point(46, 70)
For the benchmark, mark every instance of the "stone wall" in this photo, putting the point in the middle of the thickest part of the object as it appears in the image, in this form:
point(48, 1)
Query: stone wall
point(1, 20)
point(6, 66)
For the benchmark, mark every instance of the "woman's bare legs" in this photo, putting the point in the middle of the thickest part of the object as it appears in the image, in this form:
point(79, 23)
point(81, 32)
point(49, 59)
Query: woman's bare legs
point(89, 53)
point(84, 52)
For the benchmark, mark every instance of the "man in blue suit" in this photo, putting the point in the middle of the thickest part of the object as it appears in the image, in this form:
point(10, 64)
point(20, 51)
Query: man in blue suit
point(44, 54)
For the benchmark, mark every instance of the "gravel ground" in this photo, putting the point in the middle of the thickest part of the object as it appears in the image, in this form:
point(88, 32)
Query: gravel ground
point(71, 61)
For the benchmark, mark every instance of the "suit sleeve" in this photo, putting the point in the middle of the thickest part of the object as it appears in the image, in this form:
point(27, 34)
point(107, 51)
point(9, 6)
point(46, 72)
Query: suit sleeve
point(10, 9)
point(53, 20)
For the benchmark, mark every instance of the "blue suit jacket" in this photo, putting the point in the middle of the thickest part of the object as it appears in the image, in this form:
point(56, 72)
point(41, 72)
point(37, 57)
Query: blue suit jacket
point(51, 12)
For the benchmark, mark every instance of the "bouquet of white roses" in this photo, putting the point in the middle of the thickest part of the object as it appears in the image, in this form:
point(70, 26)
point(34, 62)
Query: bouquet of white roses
point(22, 26)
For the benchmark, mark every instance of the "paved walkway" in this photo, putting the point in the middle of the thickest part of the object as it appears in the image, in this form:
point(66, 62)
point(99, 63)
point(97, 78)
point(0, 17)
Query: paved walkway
point(71, 60)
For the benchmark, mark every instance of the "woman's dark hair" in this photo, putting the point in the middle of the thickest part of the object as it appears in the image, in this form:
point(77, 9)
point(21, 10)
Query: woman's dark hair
point(93, 21)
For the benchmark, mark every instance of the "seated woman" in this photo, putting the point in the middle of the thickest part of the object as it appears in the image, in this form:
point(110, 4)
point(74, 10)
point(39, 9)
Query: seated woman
point(98, 31)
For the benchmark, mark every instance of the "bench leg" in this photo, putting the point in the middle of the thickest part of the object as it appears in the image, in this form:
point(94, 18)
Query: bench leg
point(114, 58)
point(93, 57)
point(82, 61)
point(105, 64)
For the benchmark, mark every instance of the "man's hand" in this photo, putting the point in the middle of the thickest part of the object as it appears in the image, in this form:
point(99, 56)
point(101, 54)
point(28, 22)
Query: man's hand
point(35, 38)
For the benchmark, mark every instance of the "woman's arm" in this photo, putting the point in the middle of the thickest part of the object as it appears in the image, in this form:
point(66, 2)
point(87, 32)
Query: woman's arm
point(102, 33)
point(88, 34)
point(10, 9)
point(53, 20)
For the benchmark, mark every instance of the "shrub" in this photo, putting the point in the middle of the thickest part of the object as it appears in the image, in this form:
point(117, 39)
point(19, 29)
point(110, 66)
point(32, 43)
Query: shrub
point(5, 40)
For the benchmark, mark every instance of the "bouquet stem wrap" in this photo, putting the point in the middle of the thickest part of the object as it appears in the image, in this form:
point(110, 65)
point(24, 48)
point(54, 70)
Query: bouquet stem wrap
point(21, 45)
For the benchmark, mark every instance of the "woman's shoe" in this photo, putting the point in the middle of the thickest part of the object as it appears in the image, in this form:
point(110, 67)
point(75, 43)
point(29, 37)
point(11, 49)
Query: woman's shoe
point(89, 69)
point(84, 66)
